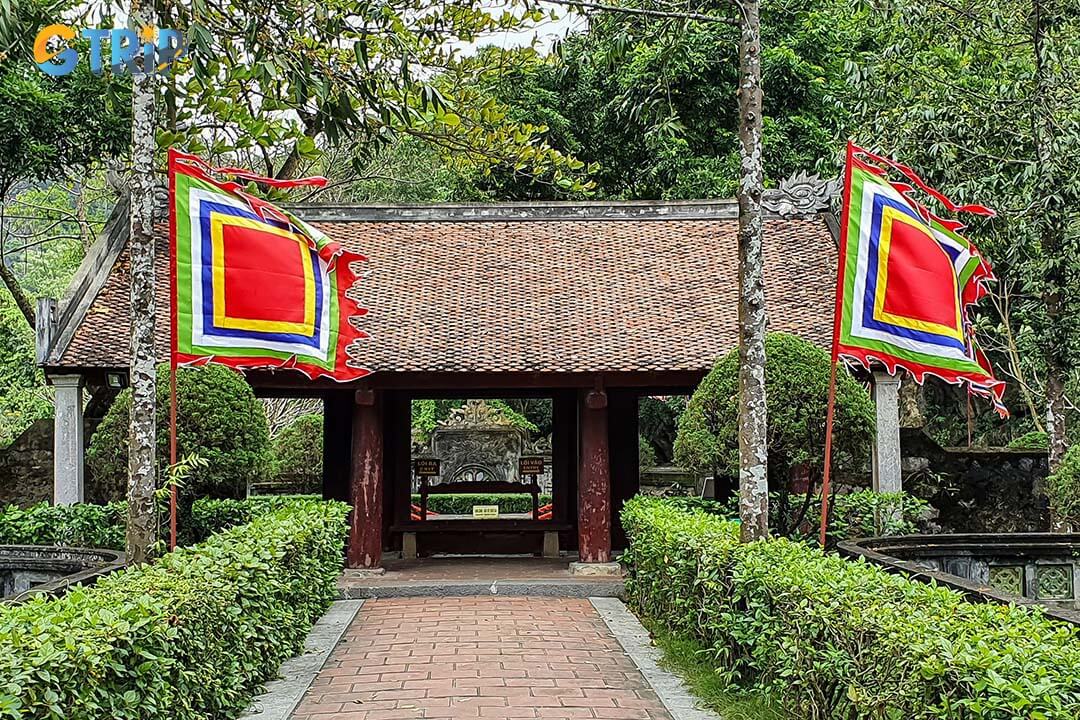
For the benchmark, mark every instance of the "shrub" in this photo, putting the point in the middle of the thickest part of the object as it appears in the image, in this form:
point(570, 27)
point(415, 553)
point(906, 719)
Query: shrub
point(451, 504)
point(1034, 440)
point(93, 526)
point(212, 515)
point(851, 515)
point(828, 637)
point(298, 453)
point(188, 637)
point(797, 388)
point(1063, 489)
point(218, 418)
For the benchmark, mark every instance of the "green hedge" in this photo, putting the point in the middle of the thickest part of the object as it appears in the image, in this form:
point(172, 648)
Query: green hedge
point(212, 515)
point(832, 638)
point(463, 504)
point(188, 637)
point(851, 515)
point(92, 526)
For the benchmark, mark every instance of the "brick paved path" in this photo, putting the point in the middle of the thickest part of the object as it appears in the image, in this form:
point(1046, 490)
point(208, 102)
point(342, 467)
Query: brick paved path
point(479, 657)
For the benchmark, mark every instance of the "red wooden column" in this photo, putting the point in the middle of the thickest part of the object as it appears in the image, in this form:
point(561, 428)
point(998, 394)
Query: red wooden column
point(594, 481)
point(365, 536)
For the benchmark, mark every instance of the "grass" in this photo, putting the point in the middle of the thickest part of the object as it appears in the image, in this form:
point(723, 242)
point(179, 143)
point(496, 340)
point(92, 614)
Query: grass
point(690, 660)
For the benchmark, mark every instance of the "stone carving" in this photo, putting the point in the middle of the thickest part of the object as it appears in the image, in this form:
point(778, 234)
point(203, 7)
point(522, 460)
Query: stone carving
point(476, 442)
point(801, 194)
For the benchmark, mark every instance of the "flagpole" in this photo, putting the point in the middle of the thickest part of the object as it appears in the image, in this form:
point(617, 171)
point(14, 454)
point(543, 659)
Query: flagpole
point(172, 353)
point(826, 478)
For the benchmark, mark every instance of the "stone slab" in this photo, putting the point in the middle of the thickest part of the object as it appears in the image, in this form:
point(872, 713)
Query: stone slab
point(635, 641)
point(608, 569)
point(283, 695)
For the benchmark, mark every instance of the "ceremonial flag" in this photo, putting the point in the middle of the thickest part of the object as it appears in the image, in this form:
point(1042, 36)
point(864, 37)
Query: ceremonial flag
point(253, 285)
point(905, 279)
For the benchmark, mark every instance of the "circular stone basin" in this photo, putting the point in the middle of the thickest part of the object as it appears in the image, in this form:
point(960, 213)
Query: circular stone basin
point(1021, 568)
point(28, 570)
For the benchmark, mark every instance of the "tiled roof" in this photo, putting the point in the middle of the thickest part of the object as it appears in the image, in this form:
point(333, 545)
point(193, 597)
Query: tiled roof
point(539, 295)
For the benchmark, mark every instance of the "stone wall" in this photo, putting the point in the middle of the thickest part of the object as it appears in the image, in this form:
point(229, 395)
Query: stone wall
point(977, 490)
point(26, 467)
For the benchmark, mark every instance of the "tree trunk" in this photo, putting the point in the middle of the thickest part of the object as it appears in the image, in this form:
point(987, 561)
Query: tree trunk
point(25, 305)
point(1052, 223)
point(142, 523)
point(753, 458)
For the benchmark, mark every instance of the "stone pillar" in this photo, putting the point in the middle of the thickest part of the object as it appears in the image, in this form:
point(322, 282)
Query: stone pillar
point(594, 481)
point(886, 391)
point(366, 491)
point(68, 486)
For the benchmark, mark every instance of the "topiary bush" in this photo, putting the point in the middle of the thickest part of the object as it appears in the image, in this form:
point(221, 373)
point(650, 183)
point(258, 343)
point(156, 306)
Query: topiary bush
point(797, 389)
point(827, 637)
point(218, 417)
point(298, 453)
point(91, 526)
point(1063, 490)
point(188, 637)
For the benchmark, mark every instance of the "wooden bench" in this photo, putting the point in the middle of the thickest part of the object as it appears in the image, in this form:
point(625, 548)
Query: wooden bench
point(516, 526)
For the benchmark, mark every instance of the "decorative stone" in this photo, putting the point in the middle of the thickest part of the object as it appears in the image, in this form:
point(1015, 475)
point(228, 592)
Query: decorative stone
point(801, 195)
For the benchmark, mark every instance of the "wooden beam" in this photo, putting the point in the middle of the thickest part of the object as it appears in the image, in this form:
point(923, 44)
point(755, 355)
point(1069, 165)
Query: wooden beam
point(594, 480)
point(480, 384)
point(366, 528)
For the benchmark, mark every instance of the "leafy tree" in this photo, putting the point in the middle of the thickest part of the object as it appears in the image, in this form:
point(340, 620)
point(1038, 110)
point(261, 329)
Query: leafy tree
point(982, 98)
point(50, 127)
point(277, 83)
point(298, 451)
point(650, 105)
point(218, 418)
point(797, 386)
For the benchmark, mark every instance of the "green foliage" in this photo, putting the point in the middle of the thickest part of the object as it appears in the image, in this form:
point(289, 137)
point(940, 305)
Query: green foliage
point(825, 637)
point(187, 638)
point(212, 515)
point(1034, 440)
point(651, 103)
point(428, 414)
point(658, 422)
point(218, 418)
point(863, 513)
point(646, 453)
point(356, 76)
point(298, 451)
point(1063, 488)
point(83, 525)
point(797, 387)
point(453, 504)
point(694, 663)
point(50, 127)
point(962, 92)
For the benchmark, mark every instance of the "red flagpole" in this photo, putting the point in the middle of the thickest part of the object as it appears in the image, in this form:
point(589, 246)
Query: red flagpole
point(826, 479)
point(172, 352)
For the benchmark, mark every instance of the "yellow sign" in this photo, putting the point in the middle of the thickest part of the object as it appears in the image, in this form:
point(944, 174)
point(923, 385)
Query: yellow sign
point(485, 511)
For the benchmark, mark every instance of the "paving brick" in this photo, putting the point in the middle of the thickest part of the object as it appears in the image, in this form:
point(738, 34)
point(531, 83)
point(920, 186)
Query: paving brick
point(479, 657)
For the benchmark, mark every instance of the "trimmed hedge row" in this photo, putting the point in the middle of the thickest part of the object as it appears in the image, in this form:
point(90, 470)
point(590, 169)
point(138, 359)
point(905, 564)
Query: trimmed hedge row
point(451, 504)
point(92, 526)
point(828, 637)
point(212, 515)
point(187, 637)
